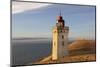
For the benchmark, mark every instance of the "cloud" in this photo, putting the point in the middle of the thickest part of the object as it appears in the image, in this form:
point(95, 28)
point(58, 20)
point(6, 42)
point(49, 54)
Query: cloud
point(18, 7)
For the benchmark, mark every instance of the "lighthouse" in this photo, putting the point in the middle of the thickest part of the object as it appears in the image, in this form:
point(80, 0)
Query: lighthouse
point(59, 39)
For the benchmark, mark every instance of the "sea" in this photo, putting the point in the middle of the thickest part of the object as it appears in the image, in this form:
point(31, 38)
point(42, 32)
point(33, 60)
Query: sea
point(29, 50)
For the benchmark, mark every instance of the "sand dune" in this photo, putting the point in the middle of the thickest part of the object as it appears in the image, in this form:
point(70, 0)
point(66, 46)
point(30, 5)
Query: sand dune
point(79, 51)
point(69, 59)
point(82, 47)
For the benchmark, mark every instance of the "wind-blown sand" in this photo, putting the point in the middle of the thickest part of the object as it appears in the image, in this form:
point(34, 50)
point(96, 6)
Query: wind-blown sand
point(79, 51)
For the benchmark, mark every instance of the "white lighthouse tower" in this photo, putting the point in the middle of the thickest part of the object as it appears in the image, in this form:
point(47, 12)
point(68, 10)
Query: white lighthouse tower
point(60, 39)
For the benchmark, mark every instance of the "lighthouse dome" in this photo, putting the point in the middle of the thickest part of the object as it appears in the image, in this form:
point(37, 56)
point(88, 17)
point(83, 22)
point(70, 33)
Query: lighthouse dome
point(59, 18)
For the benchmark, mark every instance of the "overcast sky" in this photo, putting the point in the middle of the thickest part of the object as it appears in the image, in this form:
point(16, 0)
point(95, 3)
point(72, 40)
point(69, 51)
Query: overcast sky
point(37, 19)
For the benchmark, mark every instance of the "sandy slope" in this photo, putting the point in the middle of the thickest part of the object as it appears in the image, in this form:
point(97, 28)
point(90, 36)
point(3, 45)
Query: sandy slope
point(79, 50)
point(82, 47)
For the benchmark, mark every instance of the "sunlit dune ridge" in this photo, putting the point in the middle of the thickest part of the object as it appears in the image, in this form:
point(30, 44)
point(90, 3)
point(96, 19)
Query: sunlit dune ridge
point(82, 46)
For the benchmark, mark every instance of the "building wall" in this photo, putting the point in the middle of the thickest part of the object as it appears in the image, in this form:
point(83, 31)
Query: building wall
point(63, 43)
point(59, 49)
point(55, 44)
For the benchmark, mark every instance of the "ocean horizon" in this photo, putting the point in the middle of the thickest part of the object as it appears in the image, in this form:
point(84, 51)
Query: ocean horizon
point(25, 51)
point(28, 50)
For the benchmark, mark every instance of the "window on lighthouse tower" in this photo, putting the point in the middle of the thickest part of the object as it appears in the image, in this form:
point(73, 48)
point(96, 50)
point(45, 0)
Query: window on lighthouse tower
point(62, 37)
point(62, 43)
point(54, 43)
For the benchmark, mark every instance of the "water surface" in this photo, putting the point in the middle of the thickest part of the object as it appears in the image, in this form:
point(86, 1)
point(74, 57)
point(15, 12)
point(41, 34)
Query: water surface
point(25, 51)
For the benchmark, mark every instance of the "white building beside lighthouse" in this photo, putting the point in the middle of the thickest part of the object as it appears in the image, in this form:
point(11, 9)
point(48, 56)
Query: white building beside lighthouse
point(60, 39)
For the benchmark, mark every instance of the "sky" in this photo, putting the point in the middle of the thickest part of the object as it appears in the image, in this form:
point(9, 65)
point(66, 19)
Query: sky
point(31, 19)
